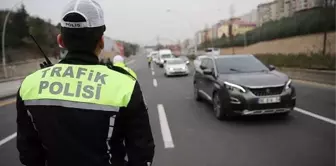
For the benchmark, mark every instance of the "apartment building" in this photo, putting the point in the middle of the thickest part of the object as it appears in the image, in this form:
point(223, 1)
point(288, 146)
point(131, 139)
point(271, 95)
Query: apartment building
point(252, 16)
point(238, 27)
point(214, 30)
point(285, 8)
point(267, 12)
point(198, 37)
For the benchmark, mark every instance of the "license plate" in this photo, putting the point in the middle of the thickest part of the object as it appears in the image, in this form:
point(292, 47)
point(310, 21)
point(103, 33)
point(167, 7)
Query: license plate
point(269, 100)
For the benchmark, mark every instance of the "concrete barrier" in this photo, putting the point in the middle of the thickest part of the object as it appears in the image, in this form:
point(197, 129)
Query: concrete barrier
point(21, 69)
point(306, 44)
point(322, 77)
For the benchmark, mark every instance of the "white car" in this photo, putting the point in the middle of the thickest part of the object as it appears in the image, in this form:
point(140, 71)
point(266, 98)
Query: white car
point(175, 66)
point(163, 55)
point(152, 54)
point(155, 56)
point(212, 51)
point(186, 59)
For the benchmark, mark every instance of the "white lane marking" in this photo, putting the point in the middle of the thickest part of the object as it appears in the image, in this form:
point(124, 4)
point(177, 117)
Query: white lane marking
point(7, 139)
point(155, 82)
point(315, 115)
point(166, 135)
point(153, 73)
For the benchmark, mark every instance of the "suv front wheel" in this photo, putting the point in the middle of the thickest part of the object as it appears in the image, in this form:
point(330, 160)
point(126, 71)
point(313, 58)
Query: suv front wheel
point(196, 93)
point(219, 109)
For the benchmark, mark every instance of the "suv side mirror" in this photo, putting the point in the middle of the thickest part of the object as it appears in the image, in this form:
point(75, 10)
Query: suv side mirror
point(271, 67)
point(165, 61)
point(202, 67)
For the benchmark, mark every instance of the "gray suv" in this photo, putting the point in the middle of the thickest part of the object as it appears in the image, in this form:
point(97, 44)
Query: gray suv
point(242, 85)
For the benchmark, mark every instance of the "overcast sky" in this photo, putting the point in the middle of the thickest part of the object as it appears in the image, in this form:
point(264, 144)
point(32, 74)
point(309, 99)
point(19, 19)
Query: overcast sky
point(142, 21)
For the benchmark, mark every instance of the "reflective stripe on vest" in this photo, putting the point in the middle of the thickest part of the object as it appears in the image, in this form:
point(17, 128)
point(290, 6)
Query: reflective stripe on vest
point(119, 64)
point(122, 65)
point(93, 87)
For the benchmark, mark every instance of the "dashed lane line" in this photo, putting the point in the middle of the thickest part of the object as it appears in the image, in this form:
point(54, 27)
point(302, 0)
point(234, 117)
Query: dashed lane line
point(166, 134)
point(155, 82)
point(315, 116)
point(7, 139)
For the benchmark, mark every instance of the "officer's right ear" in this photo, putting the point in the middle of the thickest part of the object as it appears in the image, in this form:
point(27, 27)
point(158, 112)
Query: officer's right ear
point(60, 41)
point(101, 43)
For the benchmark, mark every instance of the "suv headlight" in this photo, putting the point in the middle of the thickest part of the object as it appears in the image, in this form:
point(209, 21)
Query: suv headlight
point(170, 68)
point(234, 87)
point(288, 84)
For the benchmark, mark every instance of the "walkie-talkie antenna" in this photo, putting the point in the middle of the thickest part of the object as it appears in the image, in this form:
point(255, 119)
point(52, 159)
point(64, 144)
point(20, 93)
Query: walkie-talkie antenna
point(45, 56)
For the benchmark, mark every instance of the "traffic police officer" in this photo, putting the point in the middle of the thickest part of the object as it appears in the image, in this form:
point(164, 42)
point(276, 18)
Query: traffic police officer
point(78, 112)
point(149, 58)
point(120, 62)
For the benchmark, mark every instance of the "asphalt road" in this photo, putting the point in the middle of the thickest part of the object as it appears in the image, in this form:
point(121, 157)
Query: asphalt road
point(187, 133)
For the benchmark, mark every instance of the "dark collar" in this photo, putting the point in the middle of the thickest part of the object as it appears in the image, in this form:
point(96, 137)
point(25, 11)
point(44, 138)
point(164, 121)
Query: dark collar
point(80, 58)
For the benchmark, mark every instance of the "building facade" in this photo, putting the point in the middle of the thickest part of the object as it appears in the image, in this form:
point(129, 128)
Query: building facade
point(266, 12)
point(209, 34)
point(238, 27)
point(252, 16)
point(215, 31)
point(198, 37)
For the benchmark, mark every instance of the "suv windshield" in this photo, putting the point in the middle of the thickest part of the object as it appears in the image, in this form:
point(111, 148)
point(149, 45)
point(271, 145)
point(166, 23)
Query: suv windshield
point(166, 56)
point(239, 64)
point(200, 57)
point(175, 62)
point(184, 58)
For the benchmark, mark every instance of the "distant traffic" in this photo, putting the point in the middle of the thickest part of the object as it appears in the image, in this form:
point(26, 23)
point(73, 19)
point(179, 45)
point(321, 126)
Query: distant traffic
point(233, 84)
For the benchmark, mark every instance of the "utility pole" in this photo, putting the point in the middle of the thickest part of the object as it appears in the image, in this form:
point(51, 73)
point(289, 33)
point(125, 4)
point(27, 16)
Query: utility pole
point(325, 6)
point(232, 11)
point(158, 42)
point(245, 38)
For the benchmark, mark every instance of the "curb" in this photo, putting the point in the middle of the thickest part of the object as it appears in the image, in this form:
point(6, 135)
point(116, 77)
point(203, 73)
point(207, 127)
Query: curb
point(7, 96)
point(12, 79)
point(317, 84)
point(13, 93)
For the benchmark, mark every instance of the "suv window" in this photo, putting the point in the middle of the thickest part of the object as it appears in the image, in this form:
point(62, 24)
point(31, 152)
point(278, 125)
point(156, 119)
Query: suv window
point(239, 64)
point(204, 62)
point(210, 64)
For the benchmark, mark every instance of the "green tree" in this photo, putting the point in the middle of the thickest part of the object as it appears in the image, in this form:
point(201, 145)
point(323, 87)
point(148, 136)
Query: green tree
point(38, 29)
point(19, 22)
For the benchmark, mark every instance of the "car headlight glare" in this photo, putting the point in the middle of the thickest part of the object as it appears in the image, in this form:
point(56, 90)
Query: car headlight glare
point(234, 87)
point(288, 84)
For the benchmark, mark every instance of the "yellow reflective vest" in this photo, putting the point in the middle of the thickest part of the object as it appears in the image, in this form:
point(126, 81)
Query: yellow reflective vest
point(123, 65)
point(80, 86)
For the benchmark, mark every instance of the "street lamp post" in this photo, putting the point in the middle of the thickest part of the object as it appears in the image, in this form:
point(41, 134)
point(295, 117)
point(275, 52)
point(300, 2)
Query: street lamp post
point(3, 39)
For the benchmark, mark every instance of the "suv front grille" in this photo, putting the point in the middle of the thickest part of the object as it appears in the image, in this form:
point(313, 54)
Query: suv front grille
point(267, 91)
point(269, 106)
